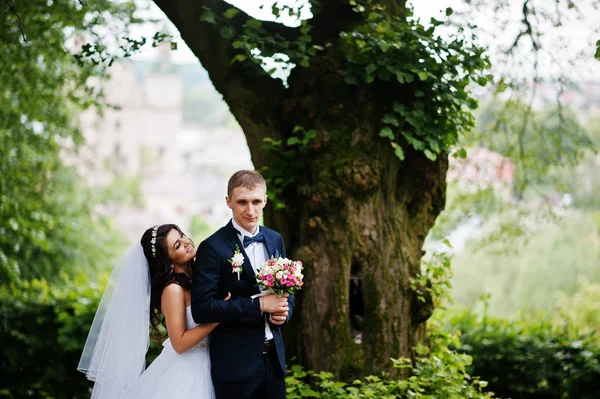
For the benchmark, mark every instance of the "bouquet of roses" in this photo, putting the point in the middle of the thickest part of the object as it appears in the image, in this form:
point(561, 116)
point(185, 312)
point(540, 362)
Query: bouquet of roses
point(280, 275)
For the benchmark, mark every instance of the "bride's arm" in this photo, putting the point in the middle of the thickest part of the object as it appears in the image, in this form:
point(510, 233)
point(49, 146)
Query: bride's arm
point(173, 307)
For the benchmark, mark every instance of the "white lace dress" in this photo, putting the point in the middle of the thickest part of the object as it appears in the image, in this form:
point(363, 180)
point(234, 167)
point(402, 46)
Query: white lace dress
point(176, 376)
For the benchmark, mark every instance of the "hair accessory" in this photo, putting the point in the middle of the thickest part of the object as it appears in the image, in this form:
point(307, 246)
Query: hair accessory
point(153, 240)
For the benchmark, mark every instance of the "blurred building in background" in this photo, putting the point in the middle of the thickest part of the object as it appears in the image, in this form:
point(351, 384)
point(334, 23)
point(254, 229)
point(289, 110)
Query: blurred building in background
point(179, 167)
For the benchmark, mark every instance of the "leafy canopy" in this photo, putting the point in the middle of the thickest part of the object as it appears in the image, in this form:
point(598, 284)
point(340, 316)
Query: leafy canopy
point(46, 219)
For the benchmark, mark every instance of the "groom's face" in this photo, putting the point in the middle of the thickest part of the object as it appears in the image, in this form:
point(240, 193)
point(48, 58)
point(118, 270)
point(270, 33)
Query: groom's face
point(247, 205)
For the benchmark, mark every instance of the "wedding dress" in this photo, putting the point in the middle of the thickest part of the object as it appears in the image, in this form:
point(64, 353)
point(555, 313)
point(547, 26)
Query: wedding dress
point(176, 376)
point(115, 350)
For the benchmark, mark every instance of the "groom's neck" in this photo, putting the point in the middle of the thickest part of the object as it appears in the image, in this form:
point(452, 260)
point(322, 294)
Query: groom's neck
point(246, 230)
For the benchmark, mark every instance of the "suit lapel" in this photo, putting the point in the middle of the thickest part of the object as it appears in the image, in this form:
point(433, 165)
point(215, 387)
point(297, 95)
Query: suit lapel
point(268, 244)
point(232, 237)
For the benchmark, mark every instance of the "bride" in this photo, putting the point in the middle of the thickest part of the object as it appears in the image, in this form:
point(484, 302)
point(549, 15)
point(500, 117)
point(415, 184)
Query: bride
point(153, 279)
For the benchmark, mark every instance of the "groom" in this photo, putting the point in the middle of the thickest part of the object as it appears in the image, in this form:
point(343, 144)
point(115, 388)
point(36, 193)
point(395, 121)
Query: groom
point(246, 349)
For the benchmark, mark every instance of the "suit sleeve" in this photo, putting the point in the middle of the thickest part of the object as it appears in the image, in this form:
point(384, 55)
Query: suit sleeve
point(207, 306)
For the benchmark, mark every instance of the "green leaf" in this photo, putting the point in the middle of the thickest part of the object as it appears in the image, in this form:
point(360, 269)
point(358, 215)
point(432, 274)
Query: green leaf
point(460, 153)
point(390, 119)
point(373, 16)
point(253, 24)
point(429, 154)
point(423, 75)
point(238, 58)
point(399, 108)
point(387, 132)
point(304, 62)
point(238, 44)
point(398, 151)
point(371, 68)
point(434, 22)
point(208, 16)
point(227, 32)
point(319, 48)
point(293, 141)
point(597, 55)
point(351, 80)
point(449, 11)
point(230, 13)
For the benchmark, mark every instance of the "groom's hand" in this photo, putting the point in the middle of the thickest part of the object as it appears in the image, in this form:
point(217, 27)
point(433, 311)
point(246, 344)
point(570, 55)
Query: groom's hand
point(273, 304)
point(278, 318)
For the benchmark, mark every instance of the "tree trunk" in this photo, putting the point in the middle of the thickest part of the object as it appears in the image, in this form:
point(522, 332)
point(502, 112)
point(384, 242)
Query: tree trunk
point(360, 215)
point(355, 213)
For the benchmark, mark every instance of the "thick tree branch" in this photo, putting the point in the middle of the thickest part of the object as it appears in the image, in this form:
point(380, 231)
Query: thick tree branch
point(327, 28)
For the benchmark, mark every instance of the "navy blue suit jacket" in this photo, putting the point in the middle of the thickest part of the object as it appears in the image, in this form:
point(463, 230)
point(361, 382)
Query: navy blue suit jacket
point(236, 344)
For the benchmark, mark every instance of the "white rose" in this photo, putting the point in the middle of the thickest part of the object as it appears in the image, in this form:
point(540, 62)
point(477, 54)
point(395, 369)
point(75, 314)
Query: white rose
point(279, 275)
point(238, 259)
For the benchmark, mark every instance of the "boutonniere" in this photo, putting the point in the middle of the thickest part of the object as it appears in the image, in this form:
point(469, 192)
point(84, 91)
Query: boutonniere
point(236, 261)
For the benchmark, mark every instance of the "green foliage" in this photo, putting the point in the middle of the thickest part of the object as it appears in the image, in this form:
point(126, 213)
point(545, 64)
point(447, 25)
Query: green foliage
point(289, 160)
point(438, 372)
point(581, 183)
point(529, 358)
point(43, 330)
point(528, 275)
point(579, 310)
point(435, 277)
point(254, 44)
point(535, 141)
point(46, 219)
point(41, 327)
point(428, 78)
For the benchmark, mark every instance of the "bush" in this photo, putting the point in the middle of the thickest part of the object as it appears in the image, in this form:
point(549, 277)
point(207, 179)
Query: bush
point(42, 331)
point(439, 372)
point(530, 358)
point(42, 334)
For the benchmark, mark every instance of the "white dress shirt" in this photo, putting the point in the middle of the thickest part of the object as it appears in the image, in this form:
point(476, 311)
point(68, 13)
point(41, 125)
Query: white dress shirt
point(257, 252)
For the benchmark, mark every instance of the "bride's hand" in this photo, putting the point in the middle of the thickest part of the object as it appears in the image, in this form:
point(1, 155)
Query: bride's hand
point(228, 297)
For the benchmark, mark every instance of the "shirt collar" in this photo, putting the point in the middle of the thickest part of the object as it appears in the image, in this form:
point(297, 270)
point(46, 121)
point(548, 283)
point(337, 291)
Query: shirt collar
point(243, 232)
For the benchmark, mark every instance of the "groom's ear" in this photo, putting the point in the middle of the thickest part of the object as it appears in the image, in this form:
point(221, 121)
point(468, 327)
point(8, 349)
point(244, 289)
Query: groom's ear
point(228, 201)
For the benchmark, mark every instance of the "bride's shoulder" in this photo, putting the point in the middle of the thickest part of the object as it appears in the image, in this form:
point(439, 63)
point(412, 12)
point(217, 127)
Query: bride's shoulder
point(173, 289)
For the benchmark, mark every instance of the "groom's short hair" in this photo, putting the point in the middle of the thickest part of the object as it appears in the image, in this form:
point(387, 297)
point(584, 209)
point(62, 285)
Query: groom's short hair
point(245, 178)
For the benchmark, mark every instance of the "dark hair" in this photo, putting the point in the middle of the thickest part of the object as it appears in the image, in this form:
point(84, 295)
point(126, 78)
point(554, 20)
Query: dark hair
point(245, 178)
point(161, 273)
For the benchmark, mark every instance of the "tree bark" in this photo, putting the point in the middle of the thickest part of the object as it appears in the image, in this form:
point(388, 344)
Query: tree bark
point(354, 209)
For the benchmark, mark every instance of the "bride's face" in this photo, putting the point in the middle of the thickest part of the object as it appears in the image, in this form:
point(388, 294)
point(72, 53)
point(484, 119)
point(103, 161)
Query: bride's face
point(181, 249)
